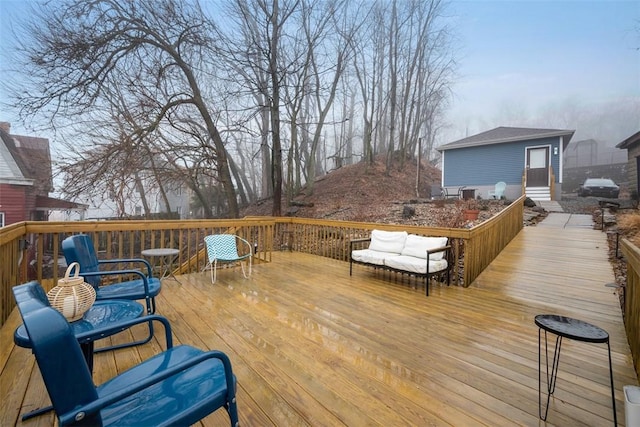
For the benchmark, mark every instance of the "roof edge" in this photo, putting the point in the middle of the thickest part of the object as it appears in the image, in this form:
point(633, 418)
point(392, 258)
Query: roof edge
point(567, 132)
point(629, 141)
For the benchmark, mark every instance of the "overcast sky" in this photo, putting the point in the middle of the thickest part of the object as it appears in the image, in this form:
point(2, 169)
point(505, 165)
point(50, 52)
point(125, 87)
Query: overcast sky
point(531, 55)
point(521, 57)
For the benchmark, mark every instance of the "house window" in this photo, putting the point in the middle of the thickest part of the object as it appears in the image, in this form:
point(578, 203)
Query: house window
point(1, 219)
point(138, 211)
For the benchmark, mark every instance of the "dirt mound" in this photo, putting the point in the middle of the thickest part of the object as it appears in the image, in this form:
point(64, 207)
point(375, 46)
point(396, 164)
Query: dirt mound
point(358, 192)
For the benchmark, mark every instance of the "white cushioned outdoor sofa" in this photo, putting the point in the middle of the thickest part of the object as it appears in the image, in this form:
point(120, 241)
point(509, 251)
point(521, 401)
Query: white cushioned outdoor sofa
point(401, 252)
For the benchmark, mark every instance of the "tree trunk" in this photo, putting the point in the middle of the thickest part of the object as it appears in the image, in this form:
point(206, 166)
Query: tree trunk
point(393, 77)
point(275, 113)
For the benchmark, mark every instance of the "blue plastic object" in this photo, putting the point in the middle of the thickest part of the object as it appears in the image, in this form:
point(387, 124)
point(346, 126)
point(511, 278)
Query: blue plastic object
point(177, 387)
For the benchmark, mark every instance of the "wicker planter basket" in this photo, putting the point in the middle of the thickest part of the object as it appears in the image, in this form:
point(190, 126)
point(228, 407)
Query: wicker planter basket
point(72, 296)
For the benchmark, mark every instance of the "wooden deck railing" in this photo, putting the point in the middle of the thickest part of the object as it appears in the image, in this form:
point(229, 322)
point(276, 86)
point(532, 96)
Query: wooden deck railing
point(473, 249)
point(43, 259)
point(476, 246)
point(632, 299)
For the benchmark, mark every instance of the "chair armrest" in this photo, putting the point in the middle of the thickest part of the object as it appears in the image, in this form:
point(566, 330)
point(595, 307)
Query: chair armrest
point(121, 326)
point(130, 260)
point(248, 245)
point(354, 241)
point(145, 280)
point(436, 250)
point(98, 404)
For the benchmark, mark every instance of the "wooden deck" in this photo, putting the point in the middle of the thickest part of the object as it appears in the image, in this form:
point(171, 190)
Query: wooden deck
point(311, 345)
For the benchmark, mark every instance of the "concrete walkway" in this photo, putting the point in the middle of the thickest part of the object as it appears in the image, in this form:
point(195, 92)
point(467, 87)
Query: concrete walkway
point(550, 205)
point(567, 220)
point(557, 218)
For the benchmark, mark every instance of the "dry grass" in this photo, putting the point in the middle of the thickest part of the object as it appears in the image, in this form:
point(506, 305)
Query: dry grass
point(629, 226)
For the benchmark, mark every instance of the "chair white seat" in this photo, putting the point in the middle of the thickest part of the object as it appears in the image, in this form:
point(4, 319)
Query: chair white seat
point(415, 265)
point(372, 257)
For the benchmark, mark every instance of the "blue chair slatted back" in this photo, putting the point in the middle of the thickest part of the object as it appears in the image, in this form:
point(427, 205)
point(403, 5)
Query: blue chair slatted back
point(59, 357)
point(222, 247)
point(79, 248)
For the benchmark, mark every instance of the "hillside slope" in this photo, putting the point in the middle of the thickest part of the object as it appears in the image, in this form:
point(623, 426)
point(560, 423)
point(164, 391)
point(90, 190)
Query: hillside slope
point(365, 193)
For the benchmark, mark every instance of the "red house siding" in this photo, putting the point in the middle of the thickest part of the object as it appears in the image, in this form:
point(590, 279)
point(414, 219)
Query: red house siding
point(15, 203)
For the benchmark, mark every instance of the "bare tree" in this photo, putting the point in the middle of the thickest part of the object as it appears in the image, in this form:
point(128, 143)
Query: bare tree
point(260, 63)
point(280, 61)
point(404, 75)
point(224, 108)
point(75, 47)
point(369, 67)
point(326, 73)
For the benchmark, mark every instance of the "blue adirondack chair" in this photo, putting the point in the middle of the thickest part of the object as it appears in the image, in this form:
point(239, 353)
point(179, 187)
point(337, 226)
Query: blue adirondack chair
point(103, 319)
point(179, 386)
point(224, 248)
point(79, 248)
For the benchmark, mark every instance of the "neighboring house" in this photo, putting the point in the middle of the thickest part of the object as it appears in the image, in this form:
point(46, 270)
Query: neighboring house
point(179, 198)
point(523, 158)
point(26, 179)
point(632, 145)
point(126, 202)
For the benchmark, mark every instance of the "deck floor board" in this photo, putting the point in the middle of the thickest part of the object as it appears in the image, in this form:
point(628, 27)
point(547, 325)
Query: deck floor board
point(311, 345)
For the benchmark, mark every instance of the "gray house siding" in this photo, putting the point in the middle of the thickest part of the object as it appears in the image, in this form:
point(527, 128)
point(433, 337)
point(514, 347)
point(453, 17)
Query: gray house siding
point(485, 165)
point(633, 154)
point(632, 145)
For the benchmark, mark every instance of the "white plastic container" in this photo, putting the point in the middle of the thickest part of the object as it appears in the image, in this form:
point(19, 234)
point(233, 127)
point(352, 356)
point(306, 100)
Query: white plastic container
point(632, 405)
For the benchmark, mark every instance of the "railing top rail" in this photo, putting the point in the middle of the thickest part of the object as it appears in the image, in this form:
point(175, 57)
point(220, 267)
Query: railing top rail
point(497, 217)
point(12, 232)
point(128, 225)
point(440, 231)
point(18, 230)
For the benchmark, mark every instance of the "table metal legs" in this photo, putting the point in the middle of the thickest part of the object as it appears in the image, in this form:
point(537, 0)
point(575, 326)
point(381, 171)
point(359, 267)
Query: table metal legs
point(613, 393)
point(551, 377)
point(166, 267)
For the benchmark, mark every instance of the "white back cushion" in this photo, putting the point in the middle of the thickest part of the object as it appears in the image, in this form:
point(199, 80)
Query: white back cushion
point(417, 246)
point(387, 241)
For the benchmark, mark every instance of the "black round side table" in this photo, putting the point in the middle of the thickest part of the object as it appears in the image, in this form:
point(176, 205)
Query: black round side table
point(566, 327)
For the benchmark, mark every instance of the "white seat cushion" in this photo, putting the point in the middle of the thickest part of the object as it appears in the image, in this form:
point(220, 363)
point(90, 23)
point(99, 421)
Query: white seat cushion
point(388, 241)
point(372, 257)
point(415, 265)
point(417, 246)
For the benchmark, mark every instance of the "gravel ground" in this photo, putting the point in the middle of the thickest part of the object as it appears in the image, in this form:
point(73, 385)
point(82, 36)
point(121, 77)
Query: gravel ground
point(586, 205)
